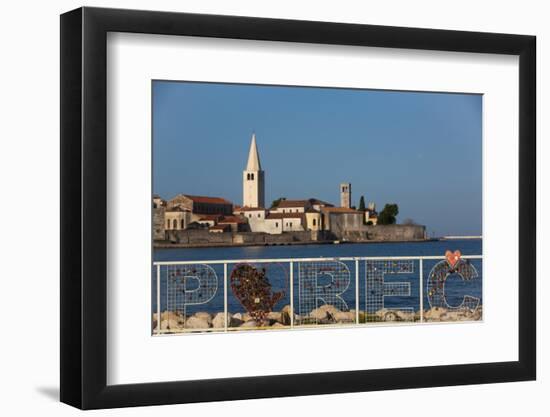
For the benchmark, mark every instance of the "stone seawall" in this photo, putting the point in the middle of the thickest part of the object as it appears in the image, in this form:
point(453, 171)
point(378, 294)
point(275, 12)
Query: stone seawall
point(199, 238)
point(388, 233)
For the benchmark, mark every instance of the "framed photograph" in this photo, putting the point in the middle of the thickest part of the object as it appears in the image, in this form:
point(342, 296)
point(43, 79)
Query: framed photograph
point(258, 207)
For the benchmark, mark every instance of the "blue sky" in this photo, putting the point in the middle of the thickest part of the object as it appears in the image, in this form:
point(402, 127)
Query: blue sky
point(419, 150)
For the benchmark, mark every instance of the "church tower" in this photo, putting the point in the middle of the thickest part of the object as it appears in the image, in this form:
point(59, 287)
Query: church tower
point(345, 195)
point(253, 178)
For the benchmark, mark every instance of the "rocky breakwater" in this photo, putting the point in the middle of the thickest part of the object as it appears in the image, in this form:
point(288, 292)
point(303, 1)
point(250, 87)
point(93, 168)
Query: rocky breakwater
point(176, 322)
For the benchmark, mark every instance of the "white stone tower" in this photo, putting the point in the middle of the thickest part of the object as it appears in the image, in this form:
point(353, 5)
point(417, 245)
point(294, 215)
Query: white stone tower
point(345, 195)
point(253, 178)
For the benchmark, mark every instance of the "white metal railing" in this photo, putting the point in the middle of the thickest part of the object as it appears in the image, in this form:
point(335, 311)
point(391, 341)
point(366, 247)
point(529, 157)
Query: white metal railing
point(292, 262)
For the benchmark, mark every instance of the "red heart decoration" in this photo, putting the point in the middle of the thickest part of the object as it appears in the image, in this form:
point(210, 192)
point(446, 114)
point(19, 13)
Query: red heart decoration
point(453, 257)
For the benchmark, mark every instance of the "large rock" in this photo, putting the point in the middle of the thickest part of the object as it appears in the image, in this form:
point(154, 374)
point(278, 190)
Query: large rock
point(274, 315)
point(285, 318)
point(344, 317)
point(406, 315)
point(204, 316)
point(326, 311)
point(461, 315)
point(235, 320)
point(286, 309)
point(195, 322)
point(171, 324)
point(434, 313)
point(219, 321)
point(170, 315)
point(250, 323)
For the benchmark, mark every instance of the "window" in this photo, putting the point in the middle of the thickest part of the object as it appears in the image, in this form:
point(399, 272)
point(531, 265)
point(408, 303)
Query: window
point(174, 224)
point(252, 177)
point(182, 224)
point(314, 222)
point(276, 224)
point(248, 177)
point(250, 216)
point(258, 215)
point(168, 224)
point(290, 224)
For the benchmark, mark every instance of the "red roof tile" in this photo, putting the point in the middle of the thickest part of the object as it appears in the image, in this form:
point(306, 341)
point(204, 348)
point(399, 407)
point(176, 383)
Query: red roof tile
point(285, 216)
point(293, 203)
point(209, 200)
point(231, 219)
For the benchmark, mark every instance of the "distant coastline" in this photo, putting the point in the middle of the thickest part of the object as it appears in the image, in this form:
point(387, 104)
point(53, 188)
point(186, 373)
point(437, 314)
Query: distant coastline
point(165, 245)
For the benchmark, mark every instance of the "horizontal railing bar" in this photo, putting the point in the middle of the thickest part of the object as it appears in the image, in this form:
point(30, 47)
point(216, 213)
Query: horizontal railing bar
point(343, 259)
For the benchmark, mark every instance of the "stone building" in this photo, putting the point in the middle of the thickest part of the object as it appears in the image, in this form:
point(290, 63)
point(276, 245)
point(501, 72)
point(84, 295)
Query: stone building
point(314, 220)
point(345, 195)
point(291, 206)
point(158, 223)
point(177, 218)
point(235, 223)
point(290, 222)
point(199, 206)
point(253, 178)
point(337, 218)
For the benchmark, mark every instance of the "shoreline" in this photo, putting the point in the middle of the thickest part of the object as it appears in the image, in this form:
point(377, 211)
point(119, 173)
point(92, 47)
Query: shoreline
point(325, 315)
point(163, 245)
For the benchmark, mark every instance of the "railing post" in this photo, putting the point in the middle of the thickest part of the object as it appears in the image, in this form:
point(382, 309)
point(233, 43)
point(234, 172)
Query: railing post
point(226, 324)
point(421, 288)
point(291, 275)
point(158, 300)
point(357, 291)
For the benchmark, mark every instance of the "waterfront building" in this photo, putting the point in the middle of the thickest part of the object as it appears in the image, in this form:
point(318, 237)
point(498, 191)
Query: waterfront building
point(177, 218)
point(199, 206)
point(235, 223)
point(339, 219)
point(253, 178)
point(314, 220)
point(290, 222)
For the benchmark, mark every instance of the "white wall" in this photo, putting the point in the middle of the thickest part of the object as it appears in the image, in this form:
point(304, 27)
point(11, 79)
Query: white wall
point(29, 162)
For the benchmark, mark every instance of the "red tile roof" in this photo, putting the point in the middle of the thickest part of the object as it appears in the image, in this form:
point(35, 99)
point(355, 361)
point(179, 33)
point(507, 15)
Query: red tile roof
point(208, 200)
point(177, 208)
point(246, 208)
point(293, 203)
point(207, 217)
point(285, 216)
point(315, 201)
point(232, 219)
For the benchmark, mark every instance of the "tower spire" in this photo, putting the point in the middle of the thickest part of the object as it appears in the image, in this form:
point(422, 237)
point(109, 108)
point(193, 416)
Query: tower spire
point(253, 178)
point(253, 163)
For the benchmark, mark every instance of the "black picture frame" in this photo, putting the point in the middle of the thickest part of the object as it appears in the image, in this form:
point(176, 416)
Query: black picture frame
point(84, 207)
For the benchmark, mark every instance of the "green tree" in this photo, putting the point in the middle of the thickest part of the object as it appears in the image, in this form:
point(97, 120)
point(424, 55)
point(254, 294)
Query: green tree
point(389, 214)
point(362, 204)
point(276, 202)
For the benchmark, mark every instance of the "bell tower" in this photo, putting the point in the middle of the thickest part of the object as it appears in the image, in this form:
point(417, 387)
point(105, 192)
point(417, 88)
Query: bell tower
point(253, 178)
point(345, 195)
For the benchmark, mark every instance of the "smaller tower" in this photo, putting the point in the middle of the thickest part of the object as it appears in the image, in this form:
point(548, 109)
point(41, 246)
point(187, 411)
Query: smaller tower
point(345, 195)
